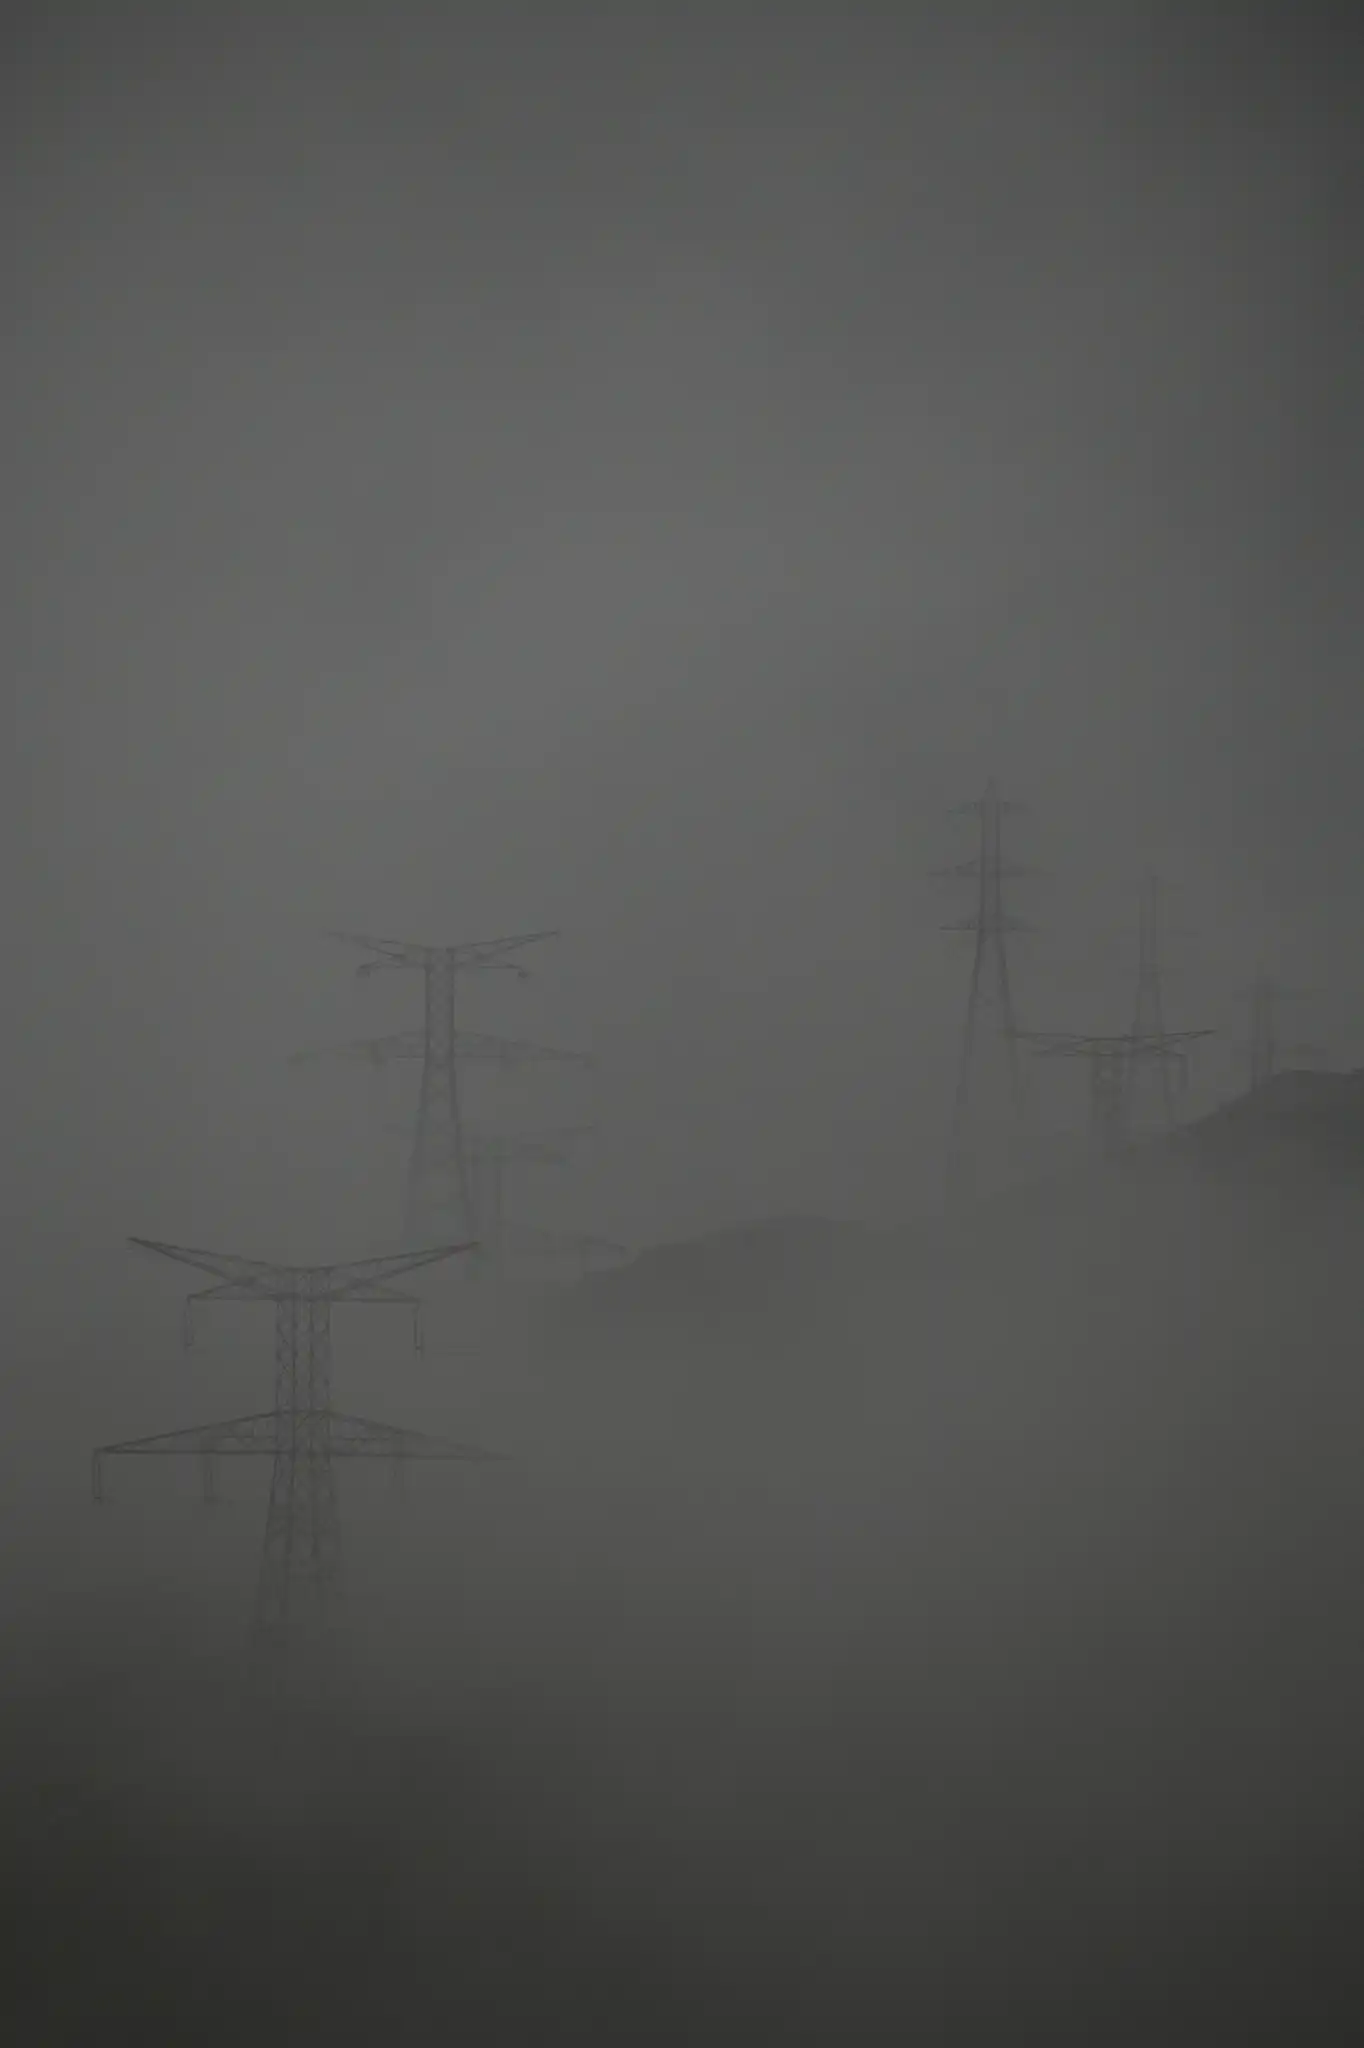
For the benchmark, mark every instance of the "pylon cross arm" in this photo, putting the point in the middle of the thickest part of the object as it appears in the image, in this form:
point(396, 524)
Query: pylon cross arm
point(487, 952)
point(267, 1288)
point(355, 1436)
point(224, 1266)
point(366, 1279)
point(266, 1436)
point(514, 1052)
point(390, 952)
point(244, 1436)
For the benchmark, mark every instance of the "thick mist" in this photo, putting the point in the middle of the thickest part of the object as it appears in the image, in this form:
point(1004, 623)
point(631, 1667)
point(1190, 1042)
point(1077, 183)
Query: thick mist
point(635, 471)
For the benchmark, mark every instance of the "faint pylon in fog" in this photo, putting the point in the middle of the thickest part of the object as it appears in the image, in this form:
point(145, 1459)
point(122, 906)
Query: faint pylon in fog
point(1114, 1058)
point(1149, 1076)
point(1127, 1067)
point(991, 1024)
point(1266, 1051)
point(579, 1250)
point(1148, 1009)
point(441, 1191)
point(492, 1155)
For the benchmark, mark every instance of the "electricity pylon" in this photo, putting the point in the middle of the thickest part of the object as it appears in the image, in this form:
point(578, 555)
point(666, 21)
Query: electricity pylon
point(578, 1248)
point(1113, 1060)
point(302, 1434)
point(490, 1156)
point(1148, 1010)
point(440, 1193)
point(1265, 1049)
point(990, 987)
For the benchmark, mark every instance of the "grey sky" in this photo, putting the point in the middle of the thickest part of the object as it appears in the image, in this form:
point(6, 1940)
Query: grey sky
point(633, 470)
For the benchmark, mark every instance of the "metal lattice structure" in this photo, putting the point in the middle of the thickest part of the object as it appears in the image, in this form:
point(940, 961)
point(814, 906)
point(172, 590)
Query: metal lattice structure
point(1265, 1051)
point(491, 1157)
point(579, 1250)
point(302, 1434)
point(1113, 1060)
point(991, 985)
point(441, 1194)
point(1148, 1010)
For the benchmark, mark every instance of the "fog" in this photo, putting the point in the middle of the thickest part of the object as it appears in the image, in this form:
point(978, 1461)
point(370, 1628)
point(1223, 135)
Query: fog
point(636, 471)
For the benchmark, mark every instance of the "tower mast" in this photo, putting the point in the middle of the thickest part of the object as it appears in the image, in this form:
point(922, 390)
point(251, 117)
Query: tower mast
point(440, 1189)
point(1148, 1010)
point(990, 985)
point(1266, 1050)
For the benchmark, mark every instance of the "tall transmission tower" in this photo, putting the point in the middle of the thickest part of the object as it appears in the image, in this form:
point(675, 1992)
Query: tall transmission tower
point(1148, 1010)
point(1113, 1060)
point(491, 1157)
point(1265, 1050)
point(302, 1434)
point(440, 1191)
point(991, 988)
point(578, 1249)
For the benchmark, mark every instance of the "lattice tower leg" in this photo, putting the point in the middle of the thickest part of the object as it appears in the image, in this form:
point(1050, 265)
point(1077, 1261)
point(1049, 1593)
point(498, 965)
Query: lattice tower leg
point(299, 1572)
point(439, 1192)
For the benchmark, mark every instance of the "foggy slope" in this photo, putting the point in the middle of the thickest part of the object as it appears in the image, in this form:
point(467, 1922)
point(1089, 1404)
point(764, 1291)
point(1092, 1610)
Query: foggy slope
point(636, 472)
point(865, 1634)
point(1091, 1451)
point(1153, 1367)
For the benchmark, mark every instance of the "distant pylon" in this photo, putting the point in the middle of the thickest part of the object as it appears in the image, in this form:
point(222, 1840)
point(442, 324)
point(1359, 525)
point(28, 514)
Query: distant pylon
point(1113, 1060)
point(302, 1434)
point(490, 1157)
point(1265, 1050)
point(440, 1191)
point(579, 1249)
point(1148, 1011)
point(990, 986)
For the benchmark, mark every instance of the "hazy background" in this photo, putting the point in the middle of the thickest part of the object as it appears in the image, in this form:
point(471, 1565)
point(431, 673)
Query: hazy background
point(634, 470)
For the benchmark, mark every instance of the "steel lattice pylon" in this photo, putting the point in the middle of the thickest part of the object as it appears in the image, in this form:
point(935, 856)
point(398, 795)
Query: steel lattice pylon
point(991, 986)
point(303, 1434)
point(1265, 1051)
point(491, 1156)
point(1112, 1060)
point(1148, 1010)
point(1120, 1061)
point(441, 1193)
point(579, 1249)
